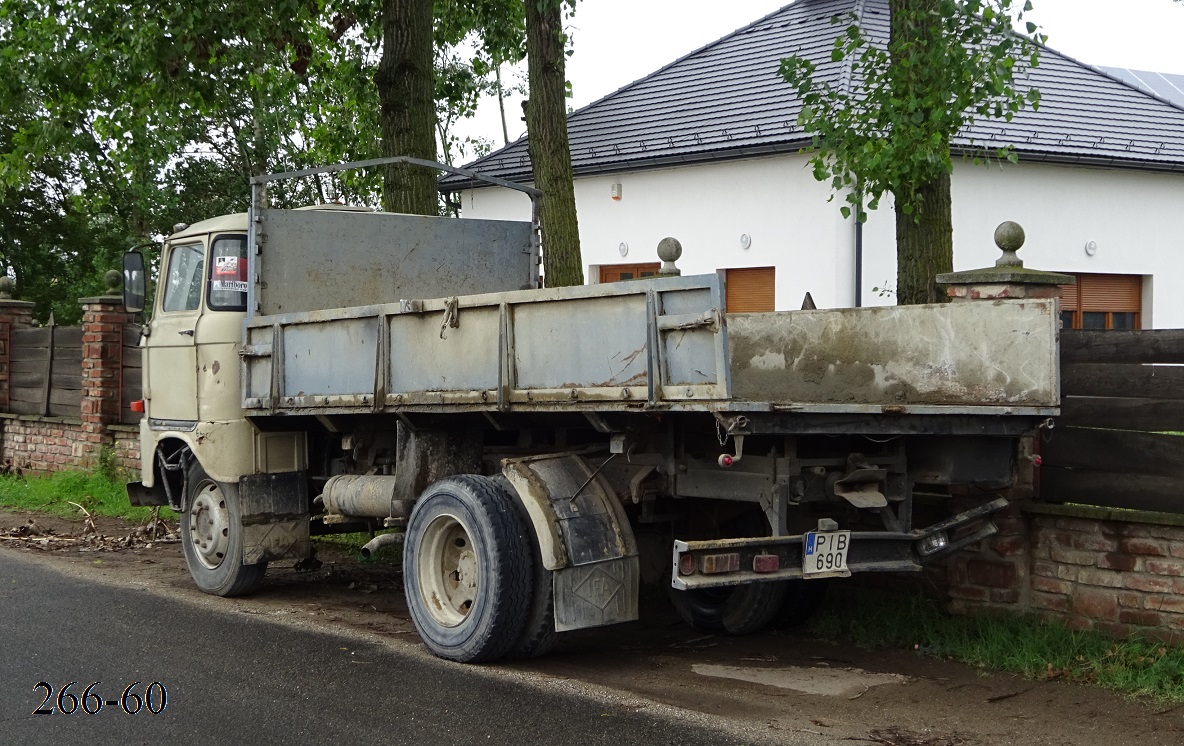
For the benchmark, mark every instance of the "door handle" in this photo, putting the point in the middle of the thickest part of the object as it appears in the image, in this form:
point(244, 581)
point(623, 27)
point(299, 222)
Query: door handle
point(188, 332)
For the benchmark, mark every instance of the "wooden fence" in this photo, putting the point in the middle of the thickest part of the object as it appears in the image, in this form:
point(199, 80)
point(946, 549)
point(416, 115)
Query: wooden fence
point(1122, 398)
point(46, 371)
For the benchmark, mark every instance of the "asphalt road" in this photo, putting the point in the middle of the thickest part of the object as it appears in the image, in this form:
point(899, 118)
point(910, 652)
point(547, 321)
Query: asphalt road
point(236, 678)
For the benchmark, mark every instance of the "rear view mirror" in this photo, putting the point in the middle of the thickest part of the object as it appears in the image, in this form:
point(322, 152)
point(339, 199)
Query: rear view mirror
point(133, 281)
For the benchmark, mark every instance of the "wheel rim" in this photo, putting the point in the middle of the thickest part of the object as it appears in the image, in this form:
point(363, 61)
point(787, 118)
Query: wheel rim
point(447, 570)
point(209, 525)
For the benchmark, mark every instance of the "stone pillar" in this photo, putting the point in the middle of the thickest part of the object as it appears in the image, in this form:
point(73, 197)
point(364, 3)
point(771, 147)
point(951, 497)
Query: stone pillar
point(1008, 279)
point(103, 319)
point(998, 573)
point(14, 314)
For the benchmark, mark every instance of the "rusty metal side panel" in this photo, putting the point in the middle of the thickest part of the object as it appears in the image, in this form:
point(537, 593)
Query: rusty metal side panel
point(993, 353)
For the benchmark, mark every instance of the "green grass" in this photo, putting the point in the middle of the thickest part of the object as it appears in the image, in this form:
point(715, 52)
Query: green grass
point(1004, 642)
point(99, 493)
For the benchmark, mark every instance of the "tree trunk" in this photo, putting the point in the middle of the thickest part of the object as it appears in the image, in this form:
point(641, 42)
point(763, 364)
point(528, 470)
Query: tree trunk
point(925, 243)
point(406, 90)
point(550, 154)
point(925, 236)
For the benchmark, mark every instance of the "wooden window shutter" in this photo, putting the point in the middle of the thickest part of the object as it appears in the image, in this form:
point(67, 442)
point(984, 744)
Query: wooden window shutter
point(1069, 299)
point(1113, 293)
point(618, 272)
point(751, 290)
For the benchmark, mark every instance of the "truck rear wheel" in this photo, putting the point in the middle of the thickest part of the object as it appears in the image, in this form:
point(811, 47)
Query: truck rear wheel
point(734, 610)
point(468, 569)
point(538, 636)
point(212, 537)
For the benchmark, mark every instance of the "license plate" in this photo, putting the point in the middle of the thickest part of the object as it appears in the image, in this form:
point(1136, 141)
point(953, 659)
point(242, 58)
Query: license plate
point(825, 553)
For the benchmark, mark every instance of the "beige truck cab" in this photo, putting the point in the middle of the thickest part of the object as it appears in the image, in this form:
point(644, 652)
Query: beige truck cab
point(196, 444)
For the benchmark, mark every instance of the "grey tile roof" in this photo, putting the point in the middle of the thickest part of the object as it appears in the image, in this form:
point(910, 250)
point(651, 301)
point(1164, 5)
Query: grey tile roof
point(726, 100)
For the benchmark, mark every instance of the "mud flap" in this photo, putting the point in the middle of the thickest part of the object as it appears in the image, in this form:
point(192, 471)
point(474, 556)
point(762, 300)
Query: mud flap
point(596, 594)
point(275, 512)
point(139, 495)
point(584, 537)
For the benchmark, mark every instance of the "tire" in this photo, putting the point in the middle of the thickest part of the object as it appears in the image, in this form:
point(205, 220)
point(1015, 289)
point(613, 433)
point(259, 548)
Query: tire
point(734, 610)
point(802, 599)
point(538, 636)
point(468, 569)
point(212, 537)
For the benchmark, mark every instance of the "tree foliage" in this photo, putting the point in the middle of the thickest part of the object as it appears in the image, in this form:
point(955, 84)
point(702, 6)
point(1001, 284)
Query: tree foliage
point(119, 118)
point(887, 128)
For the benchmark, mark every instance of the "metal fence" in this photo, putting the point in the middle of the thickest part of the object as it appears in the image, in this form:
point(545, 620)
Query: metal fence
point(1119, 441)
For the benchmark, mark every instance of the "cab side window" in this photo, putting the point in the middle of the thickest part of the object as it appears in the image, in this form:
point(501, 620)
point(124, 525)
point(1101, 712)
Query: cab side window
point(182, 291)
point(228, 274)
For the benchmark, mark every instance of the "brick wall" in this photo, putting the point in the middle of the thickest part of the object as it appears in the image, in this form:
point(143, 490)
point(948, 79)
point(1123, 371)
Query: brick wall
point(38, 445)
point(1108, 575)
point(1116, 572)
point(127, 447)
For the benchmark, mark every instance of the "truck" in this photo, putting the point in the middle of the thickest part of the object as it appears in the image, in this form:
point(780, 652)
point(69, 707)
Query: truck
point(540, 453)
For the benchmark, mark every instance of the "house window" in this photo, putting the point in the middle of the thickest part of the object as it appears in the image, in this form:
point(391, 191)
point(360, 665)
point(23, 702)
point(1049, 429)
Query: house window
point(751, 289)
point(1102, 302)
point(618, 272)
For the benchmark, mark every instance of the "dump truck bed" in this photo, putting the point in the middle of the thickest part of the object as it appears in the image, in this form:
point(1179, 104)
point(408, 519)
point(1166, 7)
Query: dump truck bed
point(653, 344)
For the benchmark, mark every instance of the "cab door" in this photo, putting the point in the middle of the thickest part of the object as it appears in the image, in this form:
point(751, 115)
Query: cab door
point(170, 356)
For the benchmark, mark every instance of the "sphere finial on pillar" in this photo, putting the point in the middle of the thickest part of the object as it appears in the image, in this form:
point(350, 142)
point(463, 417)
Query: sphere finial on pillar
point(1009, 237)
point(669, 251)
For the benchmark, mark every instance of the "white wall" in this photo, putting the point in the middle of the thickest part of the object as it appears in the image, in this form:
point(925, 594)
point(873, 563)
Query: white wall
point(1136, 219)
point(707, 208)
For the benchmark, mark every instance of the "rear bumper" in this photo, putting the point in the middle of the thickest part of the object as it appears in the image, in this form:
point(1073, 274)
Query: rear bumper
point(870, 551)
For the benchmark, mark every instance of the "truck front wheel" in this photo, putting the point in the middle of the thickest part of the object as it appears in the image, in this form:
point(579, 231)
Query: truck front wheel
point(468, 569)
point(212, 538)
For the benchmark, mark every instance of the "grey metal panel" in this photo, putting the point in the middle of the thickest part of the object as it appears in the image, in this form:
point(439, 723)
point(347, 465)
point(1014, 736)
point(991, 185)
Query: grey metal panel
point(689, 356)
point(1001, 353)
point(583, 343)
point(329, 358)
point(257, 371)
point(318, 259)
point(727, 100)
point(465, 358)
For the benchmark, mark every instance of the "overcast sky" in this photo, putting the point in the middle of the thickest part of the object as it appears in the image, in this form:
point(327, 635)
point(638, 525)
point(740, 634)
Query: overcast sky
point(618, 41)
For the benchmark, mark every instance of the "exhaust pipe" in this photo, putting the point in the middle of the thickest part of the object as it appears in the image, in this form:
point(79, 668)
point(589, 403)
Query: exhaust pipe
point(378, 542)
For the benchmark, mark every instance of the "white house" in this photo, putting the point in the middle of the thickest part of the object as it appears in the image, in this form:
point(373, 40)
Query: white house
point(708, 150)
